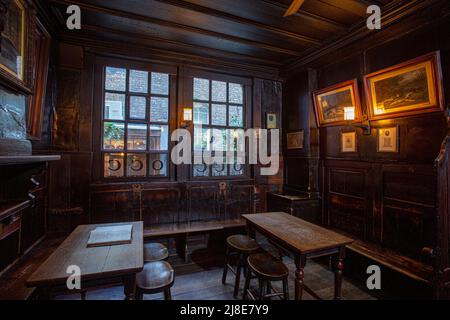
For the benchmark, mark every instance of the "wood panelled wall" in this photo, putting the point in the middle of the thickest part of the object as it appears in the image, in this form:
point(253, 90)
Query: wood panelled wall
point(68, 131)
point(387, 199)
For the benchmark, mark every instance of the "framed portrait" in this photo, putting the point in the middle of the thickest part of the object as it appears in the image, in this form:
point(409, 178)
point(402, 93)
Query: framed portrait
point(332, 104)
point(348, 142)
point(13, 41)
point(295, 140)
point(388, 139)
point(271, 120)
point(409, 88)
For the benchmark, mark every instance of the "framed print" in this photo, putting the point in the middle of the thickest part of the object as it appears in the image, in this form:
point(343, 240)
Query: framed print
point(271, 120)
point(348, 142)
point(295, 140)
point(409, 88)
point(388, 139)
point(332, 104)
point(12, 41)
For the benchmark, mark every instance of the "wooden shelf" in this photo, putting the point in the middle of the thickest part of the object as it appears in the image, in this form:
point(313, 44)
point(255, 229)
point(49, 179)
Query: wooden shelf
point(12, 160)
point(11, 207)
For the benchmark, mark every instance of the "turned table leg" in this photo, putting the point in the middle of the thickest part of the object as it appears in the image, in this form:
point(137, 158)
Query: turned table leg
point(300, 262)
point(129, 283)
point(338, 274)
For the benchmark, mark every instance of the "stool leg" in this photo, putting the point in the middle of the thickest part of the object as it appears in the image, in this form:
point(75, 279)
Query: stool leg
point(167, 294)
point(83, 295)
point(225, 268)
point(286, 289)
point(248, 277)
point(139, 296)
point(238, 275)
point(261, 289)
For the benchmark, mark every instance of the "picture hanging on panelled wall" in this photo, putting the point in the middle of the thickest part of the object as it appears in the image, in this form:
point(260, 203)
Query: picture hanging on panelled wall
point(338, 105)
point(295, 140)
point(388, 139)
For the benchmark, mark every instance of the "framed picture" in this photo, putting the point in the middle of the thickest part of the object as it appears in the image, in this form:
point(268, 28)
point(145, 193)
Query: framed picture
point(332, 104)
point(13, 41)
point(409, 88)
point(348, 142)
point(388, 139)
point(271, 120)
point(295, 140)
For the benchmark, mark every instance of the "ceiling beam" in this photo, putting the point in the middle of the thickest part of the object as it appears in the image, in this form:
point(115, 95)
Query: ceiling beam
point(178, 26)
point(227, 16)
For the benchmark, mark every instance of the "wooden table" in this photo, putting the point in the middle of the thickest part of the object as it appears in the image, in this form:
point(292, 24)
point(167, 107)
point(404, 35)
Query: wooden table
point(96, 263)
point(304, 240)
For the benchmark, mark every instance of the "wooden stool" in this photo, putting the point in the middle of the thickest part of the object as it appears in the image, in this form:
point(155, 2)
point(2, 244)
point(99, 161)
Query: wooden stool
point(242, 246)
point(155, 252)
point(266, 269)
point(156, 277)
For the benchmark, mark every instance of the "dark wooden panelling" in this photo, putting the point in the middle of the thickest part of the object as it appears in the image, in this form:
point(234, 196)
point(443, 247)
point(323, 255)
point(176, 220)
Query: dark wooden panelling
point(160, 206)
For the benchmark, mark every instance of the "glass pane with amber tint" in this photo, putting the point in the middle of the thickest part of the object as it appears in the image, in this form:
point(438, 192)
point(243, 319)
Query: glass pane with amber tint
point(138, 81)
point(236, 94)
point(137, 136)
point(159, 138)
point(158, 165)
point(159, 109)
point(138, 107)
point(113, 136)
point(136, 165)
point(236, 117)
point(116, 79)
point(219, 114)
point(160, 83)
point(113, 165)
point(201, 89)
point(114, 106)
point(219, 91)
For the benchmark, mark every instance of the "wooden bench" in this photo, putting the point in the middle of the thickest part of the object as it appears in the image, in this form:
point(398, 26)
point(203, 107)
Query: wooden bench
point(182, 231)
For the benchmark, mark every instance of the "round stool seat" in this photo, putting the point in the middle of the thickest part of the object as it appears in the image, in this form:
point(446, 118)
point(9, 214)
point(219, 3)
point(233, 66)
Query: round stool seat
point(155, 252)
point(267, 267)
point(155, 277)
point(242, 243)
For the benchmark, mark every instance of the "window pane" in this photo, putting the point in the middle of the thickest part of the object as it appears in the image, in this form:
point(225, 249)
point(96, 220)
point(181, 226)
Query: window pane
point(201, 139)
point(219, 170)
point(219, 91)
point(218, 139)
point(138, 81)
point(137, 137)
point(158, 165)
point(160, 83)
point(113, 165)
point(236, 116)
point(113, 136)
point(114, 106)
point(201, 89)
point(201, 170)
point(159, 109)
point(201, 113)
point(236, 169)
point(159, 138)
point(236, 139)
point(138, 106)
point(115, 79)
point(219, 114)
point(136, 165)
point(236, 93)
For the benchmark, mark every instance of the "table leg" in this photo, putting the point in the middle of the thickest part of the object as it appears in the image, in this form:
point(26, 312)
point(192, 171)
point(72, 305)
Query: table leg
point(338, 274)
point(300, 262)
point(129, 283)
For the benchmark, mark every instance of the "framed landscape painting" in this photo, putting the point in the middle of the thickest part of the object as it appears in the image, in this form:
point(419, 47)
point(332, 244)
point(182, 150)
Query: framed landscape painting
point(330, 103)
point(409, 88)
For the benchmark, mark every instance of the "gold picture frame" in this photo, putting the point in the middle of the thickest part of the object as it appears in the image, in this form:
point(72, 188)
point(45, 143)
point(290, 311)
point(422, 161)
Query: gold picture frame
point(271, 120)
point(295, 140)
point(388, 140)
point(409, 88)
point(13, 41)
point(348, 142)
point(330, 104)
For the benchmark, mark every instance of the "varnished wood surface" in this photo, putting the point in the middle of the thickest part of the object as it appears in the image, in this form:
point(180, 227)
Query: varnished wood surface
point(11, 160)
point(11, 207)
point(299, 235)
point(95, 263)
